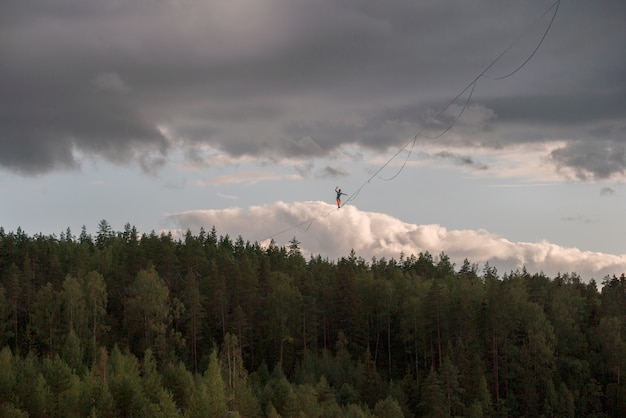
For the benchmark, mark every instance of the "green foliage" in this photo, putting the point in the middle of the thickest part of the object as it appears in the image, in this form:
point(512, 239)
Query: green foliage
point(370, 384)
point(240, 394)
point(208, 398)
point(73, 299)
point(434, 402)
point(96, 307)
point(180, 383)
point(58, 377)
point(127, 325)
point(72, 353)
point(125, 384)
point(388, 408)
point(4, 317)
point(164, 407)
point(7, 375)
point(95, 396)
point(46, 318)
point(8, 410)
point(147, 310)
point(150, 377)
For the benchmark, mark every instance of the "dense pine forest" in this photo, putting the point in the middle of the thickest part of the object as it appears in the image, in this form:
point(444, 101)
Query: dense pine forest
point(123, 324)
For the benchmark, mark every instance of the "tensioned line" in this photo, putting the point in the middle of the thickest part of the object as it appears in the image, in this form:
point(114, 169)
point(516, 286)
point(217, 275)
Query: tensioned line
point(411, 143)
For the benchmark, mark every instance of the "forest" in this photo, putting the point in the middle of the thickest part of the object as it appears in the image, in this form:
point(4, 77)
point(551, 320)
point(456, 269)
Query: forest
point(129, 324)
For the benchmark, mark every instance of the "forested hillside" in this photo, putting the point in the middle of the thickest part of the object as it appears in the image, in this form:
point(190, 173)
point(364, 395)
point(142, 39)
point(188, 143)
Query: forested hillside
point(123, 324)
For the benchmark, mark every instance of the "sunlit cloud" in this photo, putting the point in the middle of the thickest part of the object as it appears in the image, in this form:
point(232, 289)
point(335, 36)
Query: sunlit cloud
point(323, 229)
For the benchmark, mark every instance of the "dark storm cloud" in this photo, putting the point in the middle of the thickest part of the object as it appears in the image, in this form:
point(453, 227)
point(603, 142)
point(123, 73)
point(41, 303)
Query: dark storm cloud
point(42, 126)
point(299, 79)
point(592, 159)
point(565, 108)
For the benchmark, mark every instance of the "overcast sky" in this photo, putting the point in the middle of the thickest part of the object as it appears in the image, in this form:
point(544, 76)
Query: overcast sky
point(492, 130)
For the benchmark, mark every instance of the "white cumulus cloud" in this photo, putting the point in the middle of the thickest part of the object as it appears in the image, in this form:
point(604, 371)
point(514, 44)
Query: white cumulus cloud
point(323, 229)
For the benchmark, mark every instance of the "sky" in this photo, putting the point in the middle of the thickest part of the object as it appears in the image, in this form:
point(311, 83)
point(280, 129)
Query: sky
point(490, 130)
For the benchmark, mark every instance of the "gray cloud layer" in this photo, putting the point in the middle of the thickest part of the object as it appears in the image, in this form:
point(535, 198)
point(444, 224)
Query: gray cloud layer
point(301, 78)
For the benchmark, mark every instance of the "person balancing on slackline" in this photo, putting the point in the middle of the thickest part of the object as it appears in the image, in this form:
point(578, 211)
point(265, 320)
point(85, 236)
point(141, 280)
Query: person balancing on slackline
point(339, 193)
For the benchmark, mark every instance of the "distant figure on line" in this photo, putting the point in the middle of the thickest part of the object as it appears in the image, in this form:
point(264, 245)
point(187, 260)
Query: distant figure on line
point(338, 191)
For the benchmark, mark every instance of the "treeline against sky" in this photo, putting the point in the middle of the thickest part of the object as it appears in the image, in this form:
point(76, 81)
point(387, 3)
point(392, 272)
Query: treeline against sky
point(123, 324)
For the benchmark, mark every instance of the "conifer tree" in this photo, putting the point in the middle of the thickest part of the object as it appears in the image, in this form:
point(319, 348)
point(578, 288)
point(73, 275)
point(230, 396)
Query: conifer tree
point(209, 398)
point(147, 311)
point(58, 377)
point(388, 408)
point(4, 316)
point(95, 306)
point(7, 375)
point(46, 318)
point(125, 385)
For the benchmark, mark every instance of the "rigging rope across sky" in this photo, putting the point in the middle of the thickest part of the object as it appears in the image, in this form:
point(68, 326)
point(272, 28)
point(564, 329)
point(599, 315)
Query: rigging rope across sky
point(411, 143)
